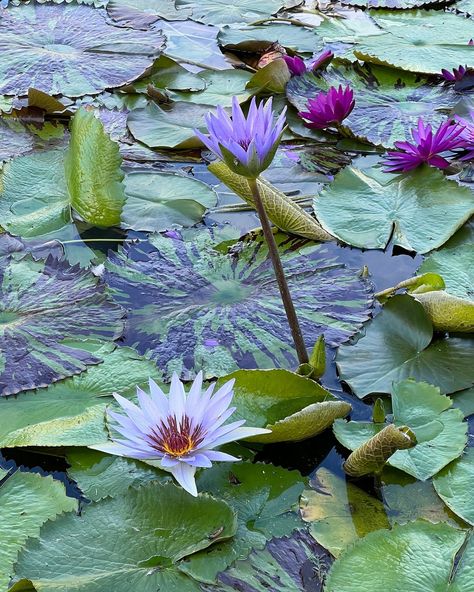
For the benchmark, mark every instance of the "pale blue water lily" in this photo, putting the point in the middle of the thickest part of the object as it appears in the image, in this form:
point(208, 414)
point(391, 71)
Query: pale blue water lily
point(246, 144)
point(180, 430)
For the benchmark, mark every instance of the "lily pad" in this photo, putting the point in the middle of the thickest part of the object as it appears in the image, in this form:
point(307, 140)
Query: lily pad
point(159, 201)
point(388, 101)
point(454, 485)
point(108, 553)
point(71, 412)
point(418, 211)
point(394, 3)
point(45, 314)
point(454, 265)
point(203, 309)
point(411, 45)
point(101, 475)
point(288, 564)
point(77, 44)
point(140, 14)
point(299, 39)
point(220, 12)
point(418, 557)
point(340, 513)
point(291, 406)
point(401, 337)
point(168, 74)
point(17, 139)
point(440, 430)
point(220, 87)
point(27, 501)
point(168, 126)
point(265, 499)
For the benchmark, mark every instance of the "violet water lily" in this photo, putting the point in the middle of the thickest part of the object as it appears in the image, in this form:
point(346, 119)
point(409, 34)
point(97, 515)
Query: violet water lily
point(180, 430)
point(329, 108)
point(246, 144)
point(428, 147)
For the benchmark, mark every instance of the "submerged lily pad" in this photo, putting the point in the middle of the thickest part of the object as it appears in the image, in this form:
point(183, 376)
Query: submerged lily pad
point(202, 309)
point(71, 50)
point(401, 339)
point(291, 406)
point(418, 556)
point(339, 512)
point(440, 431)
point(27, 501)
point(71, 412)
point(265, 499)
point(418, 211)
point(159, 201)
point(49, 314)
point(388, 101)
point(139, 539)
point(288, 564)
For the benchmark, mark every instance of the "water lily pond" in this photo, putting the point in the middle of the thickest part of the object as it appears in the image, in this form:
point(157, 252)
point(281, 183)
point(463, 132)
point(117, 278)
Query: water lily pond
point(237, 296)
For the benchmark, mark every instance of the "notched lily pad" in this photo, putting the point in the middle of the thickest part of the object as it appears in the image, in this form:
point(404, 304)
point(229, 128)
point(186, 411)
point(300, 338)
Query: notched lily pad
point(71, 50)
point(49, 312)
point(203, 309)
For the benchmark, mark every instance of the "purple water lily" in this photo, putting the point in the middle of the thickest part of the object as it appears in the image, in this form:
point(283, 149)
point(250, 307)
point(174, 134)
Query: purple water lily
point(427, 148)
point(297, 66)
point(180, 430)
point(246, 144)
point(467, 135)
point(329, 108)
point(455, 75)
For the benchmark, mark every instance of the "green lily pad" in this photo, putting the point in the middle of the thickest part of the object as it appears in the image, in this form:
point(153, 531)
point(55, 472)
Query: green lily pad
point(394, 3)
point(139, 539)
point(220, 12)
point(299, 39)
point(101, 475)
point(464, 400)
point(410, 44)
point(193, 43)
point(287, 564)
point(71, 412)
point(27, 500)
point(45, 322)
point(77, 44)
point(265, 499)
point(159, 201)
point(140, 14)
point(401, 337)
point(454, 265)
point(418, 556)
point(454, 485)
point(93, 175)
point(220, 87)
point(203, 309)
point(448, 312)
point(17, 139)
point(292, 406)
point(388, 102)
point(168, 126)
point(340, 513)
point(168, 74)
point(418, 211)
point(440, 430)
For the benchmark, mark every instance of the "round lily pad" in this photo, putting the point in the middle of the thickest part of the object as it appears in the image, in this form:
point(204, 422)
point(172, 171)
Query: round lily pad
point(49, 314)
point(204, 309)
point(388, 102)
point(70, 50)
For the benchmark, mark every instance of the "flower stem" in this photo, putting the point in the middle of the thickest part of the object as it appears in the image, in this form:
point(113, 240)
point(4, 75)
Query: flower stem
point(279, 274)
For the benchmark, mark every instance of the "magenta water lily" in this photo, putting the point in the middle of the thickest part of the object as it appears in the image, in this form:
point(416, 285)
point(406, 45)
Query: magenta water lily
point(456, 75)
point(329, 108)
point(246, 144)
point(180, 430)
point(428, 147)
point(297, 66)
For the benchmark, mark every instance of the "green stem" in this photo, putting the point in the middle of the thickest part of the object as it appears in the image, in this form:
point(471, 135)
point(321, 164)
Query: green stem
point(279, 274)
